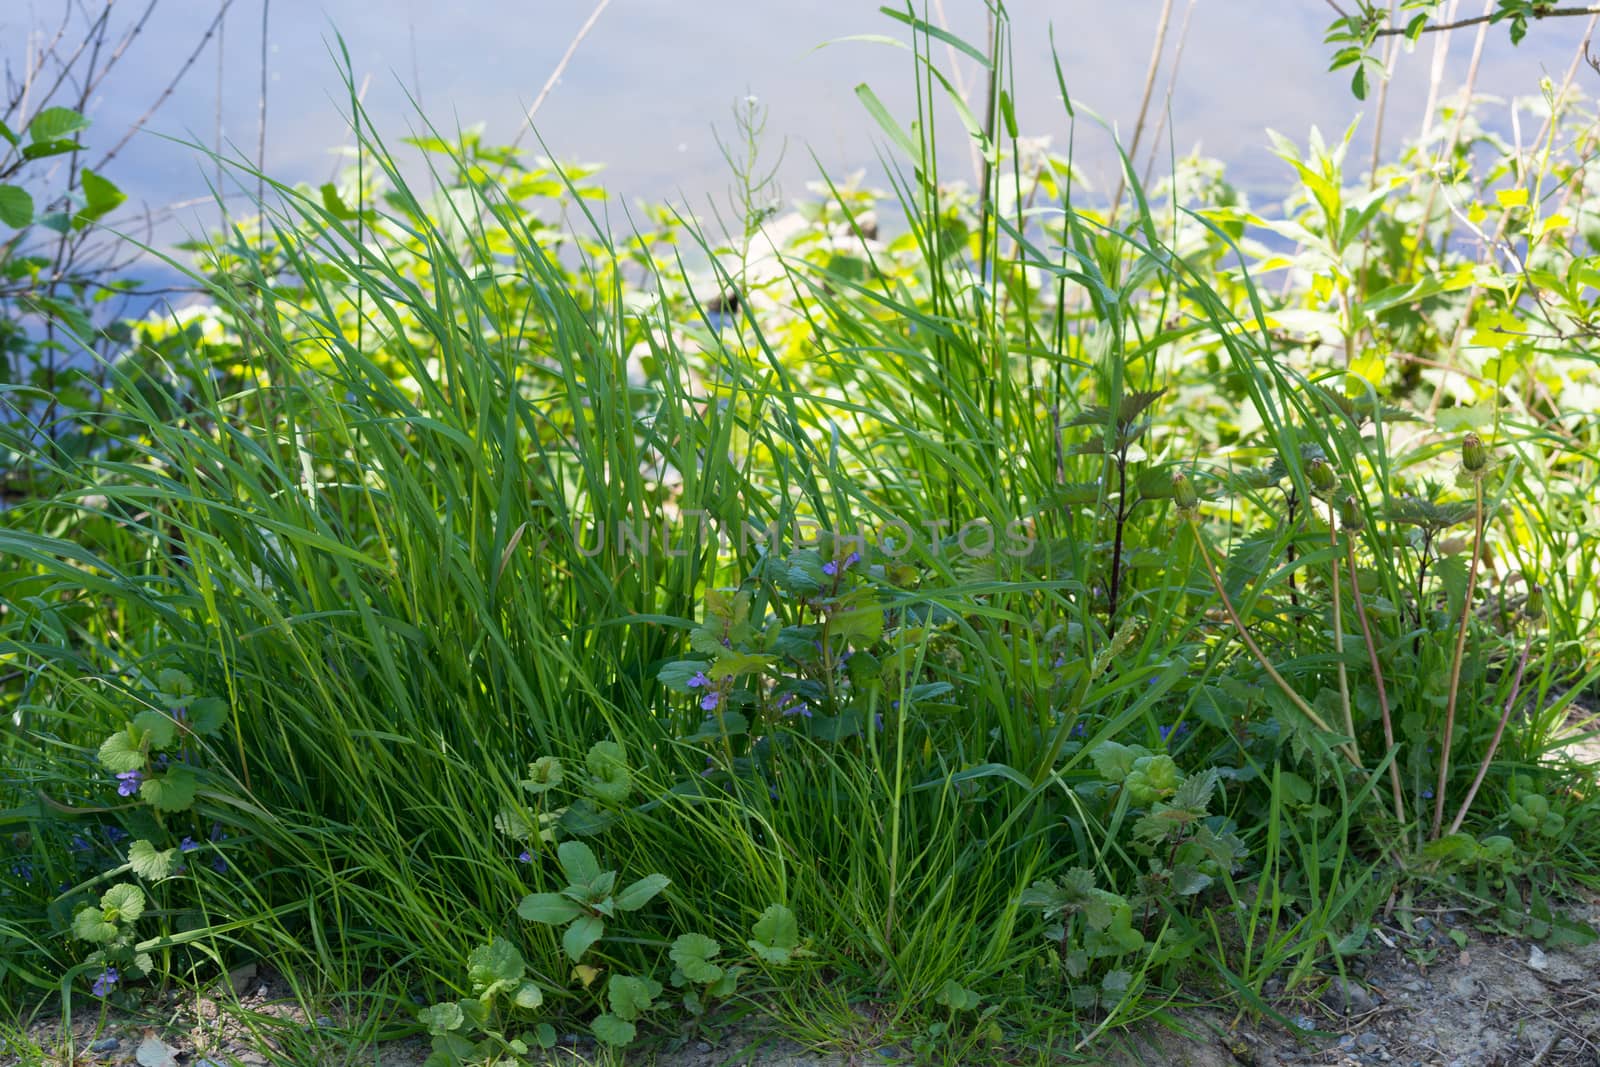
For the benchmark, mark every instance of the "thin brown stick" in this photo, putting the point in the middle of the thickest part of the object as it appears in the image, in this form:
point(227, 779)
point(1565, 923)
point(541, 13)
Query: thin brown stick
point(561, 66)
point(1338, 633)
point(1499, 732)
point(1144, 105)
point(1377, 676)
point(1172, 84)
point(1456, 660)
point(1441, 51)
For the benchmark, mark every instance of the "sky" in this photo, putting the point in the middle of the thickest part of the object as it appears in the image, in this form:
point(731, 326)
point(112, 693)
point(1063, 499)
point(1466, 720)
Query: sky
point(655, 80)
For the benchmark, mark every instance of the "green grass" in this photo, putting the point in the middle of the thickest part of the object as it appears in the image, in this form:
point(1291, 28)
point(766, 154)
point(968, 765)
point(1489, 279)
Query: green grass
point(351, 515)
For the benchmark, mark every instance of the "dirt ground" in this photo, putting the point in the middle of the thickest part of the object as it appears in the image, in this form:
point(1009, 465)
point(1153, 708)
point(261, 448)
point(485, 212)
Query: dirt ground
point(1498, 1001)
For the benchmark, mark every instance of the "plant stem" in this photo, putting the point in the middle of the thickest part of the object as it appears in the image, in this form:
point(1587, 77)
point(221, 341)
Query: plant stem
point(1338, 633)
point(1377, 675)
point(1460, 654)
point(1255, 650)
point(1499, 731)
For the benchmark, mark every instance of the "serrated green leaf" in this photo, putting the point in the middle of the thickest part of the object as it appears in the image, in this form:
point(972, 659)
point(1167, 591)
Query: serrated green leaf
point(89, 924)
point(777, 935)
point(443, 1017)
point(495, 966)
point(122, 903)
point(157, 727)
point(693, 954)
point(172, 791)
point(609, 780)
point(528, 996)
point(612, 1030)
point(631, 996)
point(121, 753)
point(544, 774)
point(150, 863)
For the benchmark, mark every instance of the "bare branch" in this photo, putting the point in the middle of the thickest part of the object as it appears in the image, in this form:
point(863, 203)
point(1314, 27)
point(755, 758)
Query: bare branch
point(1547, 13)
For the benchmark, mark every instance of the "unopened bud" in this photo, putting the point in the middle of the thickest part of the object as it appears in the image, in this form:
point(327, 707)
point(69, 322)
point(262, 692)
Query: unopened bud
point(1535, 605)
point(1183, 492)
point(1350, 517)
point(1474, 457)
point(1323, 480)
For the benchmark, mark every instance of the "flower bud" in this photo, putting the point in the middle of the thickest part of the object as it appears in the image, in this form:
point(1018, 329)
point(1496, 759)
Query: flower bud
point(1474, 457)
point(1350, 517)
point(1323, 479)
point(1183, 492)
point(1535, 606)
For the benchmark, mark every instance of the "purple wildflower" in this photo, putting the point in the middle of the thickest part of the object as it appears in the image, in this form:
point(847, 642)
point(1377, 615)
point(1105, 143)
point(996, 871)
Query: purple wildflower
point(104, 983)
point(699, 680)
point(116, 834)
point(219, 865)
point(79, 843)
point(128, 783)
point(710, 701)
point(524, 856)
point(1079, 730)
point(22, 869)
point(188, 844)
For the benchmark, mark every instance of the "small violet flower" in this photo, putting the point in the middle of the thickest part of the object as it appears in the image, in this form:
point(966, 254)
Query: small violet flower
point(524, 856)
point(79, 843)
point(105, 982)
point(710, 701)
point(699, 680)
point(188, 844)
point(116, 834)
point(128, 783)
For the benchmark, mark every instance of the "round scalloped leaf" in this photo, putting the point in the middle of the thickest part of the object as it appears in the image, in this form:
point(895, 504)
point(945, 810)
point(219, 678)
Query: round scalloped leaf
point(122, 903)
point(612, 1030)
point(121, 753)
point(150, 863)
point(172, 791)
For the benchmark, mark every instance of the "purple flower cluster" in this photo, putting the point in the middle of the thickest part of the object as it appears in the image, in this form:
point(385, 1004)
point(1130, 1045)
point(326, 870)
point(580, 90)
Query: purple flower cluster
point(128, 783)
point(105, 982)
point(712, 698)
point(791, 704)
point(833, 567)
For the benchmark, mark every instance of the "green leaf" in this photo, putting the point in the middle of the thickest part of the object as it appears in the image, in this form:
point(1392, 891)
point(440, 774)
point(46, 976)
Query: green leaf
point(121, 752)
point(495, 966)
point(89, 924)
point(609, 782)
point(612, 1030)
point(172, 791)
point(578, 862)
point(101, 197)
point(693, 954)
point(157, 727)
point(55, 124)
point(16, 206)
point(640, 893)
point(8, 134)
point(581, 935)
point(442, 1018)
point(544, 774)
point(777, 935)
point(631, 996)
point(529, 996)
point(46, 149)
point(122, 903)
point(957, 997)
point(150, 863)
point(552, 909)
point(207, 715)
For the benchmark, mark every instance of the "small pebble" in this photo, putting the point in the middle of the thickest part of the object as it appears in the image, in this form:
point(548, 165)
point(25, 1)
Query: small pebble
point(323, 1021)
point(1369, 1042)
point(105, 1044)
point(702, 1047)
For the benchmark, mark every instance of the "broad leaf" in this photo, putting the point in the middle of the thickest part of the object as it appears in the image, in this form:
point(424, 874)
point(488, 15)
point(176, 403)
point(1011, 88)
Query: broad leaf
point(581, 935)
point(552, 909)
point(640, 893)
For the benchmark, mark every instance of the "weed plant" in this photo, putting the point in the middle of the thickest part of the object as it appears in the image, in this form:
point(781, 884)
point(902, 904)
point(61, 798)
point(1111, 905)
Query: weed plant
point(1016, 622)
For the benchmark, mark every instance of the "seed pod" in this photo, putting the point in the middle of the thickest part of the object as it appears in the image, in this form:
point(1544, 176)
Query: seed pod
point(1474, 457)
point(1183, 492)
point(1323, 479)
point(1535, 606)
point(1350, 517)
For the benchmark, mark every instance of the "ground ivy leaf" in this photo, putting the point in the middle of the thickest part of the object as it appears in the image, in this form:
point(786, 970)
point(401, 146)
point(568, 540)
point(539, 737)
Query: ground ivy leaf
point(612, 1030)
point(610, 781)
point(172, 791)
point(207, 714)
point(122, 903)
point(442, 1017)
point(158, 728)
point(121, 753)
point(529, 996)
point(495, 966)
point(150, 863)
point(631, 996)
point(777, 934)
point(693, 953)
